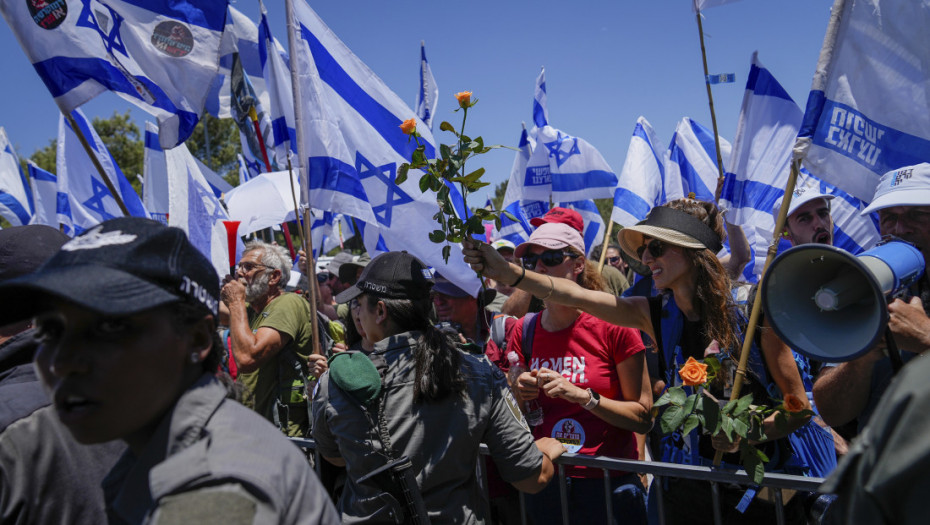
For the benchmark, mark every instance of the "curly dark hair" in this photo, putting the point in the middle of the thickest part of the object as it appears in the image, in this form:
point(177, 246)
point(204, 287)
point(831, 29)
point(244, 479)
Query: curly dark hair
point(712, 285)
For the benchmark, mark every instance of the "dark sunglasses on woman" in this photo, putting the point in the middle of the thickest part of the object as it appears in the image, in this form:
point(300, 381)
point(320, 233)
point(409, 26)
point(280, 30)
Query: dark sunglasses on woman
point(549, 258)
point(655, 246)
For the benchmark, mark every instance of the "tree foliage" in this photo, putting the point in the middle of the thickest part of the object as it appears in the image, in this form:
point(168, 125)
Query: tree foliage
point(224, 144)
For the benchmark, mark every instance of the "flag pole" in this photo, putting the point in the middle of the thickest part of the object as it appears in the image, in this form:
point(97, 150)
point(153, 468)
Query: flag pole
point(302, 168)
point(253, 116)
point(93, 158)
point(757, 302)
point(603, 257)
point(713, 115)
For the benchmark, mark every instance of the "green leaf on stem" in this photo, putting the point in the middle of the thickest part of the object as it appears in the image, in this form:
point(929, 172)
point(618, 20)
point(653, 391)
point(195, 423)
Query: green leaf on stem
point(751, 461)
point(743, 404)
point(446, 251)
point(445, 151)
point(425, 182)
point(437, 236)
point(671, 419)
point(690, 424)
point(445, 126)
point(401, 173)
point(678, 395)
point(664, 400)
point(509, 215)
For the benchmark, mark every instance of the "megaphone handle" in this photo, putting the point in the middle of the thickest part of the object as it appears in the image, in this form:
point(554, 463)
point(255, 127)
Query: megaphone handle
point(893, 353)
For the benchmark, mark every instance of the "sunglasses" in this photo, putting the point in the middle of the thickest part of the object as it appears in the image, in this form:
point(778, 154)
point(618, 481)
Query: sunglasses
point(322, 277)
point(655, 247)
point(549, 258)
point(613, 260)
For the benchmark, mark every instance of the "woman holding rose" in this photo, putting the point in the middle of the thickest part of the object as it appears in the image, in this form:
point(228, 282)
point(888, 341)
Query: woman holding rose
point(693, 315)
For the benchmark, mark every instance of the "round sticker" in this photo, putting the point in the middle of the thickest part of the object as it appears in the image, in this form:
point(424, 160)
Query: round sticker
point(173, 38)
point(46, 14)
point(570, 433)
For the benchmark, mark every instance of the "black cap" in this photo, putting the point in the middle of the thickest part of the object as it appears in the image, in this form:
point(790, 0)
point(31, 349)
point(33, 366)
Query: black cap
point(25, 248)
point(392, 275)
point(349, 269)
point(120, 267)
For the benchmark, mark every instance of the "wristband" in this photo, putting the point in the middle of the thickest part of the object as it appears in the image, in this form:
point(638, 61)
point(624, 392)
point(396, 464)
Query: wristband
point(522, 275)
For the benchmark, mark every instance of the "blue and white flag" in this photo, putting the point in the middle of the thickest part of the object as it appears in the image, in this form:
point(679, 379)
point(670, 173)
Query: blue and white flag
point(193, 207)
point(157, 55)
point(567, 168)
point(16, 203)
point(155, 189)
point(353, 145)
point(641, 184)
point(245, 172)
point(242, 102)
point(523, 210)
point(277, 75)
point(868, 111)
point(692, 160)
point(759, 169)
point(45, 195)
point(242, 38)
point(329, 230)
point(155, 170)
point(593, 222)
point(89, 198)
point(540, 101)
point(428, 95)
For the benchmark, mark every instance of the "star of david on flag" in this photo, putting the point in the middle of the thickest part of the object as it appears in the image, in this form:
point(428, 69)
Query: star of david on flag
point(16, 203)
point(351, 145)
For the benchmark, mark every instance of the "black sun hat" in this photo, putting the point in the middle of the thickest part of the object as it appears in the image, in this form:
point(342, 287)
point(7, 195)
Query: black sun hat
point(119, 267)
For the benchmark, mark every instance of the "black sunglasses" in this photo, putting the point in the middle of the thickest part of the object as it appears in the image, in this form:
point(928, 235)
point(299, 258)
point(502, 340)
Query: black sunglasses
point(655, 246)
point(549, 258)
point(322, 277)
point(613, 260)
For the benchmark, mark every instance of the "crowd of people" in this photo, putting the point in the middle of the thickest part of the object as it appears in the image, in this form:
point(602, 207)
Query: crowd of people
point(137, 386)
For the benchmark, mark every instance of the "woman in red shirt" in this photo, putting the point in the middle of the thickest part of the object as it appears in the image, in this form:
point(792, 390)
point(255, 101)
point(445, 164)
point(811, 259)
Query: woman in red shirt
point(590, 379)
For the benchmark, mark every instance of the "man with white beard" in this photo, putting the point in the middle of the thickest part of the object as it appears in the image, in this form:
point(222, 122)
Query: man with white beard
point(270, 336)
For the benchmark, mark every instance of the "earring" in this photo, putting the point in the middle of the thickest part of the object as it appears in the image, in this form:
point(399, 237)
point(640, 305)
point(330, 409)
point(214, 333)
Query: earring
point(195, 357)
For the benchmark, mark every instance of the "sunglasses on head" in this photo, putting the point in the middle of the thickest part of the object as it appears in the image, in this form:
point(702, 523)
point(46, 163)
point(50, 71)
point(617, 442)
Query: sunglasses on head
point(549, 258)
point(655, 247)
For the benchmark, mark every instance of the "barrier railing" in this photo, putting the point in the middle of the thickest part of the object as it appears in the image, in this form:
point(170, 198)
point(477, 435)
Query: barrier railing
point(716, 477)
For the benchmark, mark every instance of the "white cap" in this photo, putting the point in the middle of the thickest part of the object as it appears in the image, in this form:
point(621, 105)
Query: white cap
point(907, 186)
point(800, 197)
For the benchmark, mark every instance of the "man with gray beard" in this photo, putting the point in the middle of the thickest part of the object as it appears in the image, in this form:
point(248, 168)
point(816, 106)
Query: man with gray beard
point(270, 336)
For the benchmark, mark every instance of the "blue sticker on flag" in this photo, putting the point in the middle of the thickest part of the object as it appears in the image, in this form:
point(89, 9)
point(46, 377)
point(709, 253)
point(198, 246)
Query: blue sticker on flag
point(722, 78)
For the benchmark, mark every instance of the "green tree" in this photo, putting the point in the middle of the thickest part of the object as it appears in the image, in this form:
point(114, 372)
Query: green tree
point(45, 157)
point(224, 145)
point(499, 191)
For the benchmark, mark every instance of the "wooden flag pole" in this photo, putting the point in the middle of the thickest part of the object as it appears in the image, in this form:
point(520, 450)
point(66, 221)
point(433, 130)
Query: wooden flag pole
point(713, 115)
point(93, 158)
point(603, 257)
point(757, 303)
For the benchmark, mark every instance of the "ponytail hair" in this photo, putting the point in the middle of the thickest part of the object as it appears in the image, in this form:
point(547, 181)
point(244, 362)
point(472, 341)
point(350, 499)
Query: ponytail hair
point(438, 361)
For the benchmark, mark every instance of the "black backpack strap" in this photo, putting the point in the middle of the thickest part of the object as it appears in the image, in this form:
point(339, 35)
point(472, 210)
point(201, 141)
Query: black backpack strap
point(655, 316)
point(529, 328)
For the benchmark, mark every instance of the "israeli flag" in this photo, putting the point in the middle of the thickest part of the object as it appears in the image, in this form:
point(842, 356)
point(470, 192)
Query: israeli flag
point(700, 5)
point(867, 112)
point(157, 55)
point(245, 172)
point(428, 95)
point(353, 146)
point(641, 184)
point(155, 195)
point(243, 101)
point(44, 195)
point(593, 222)
point(89, 198)
point(329, 230)
point(16, 203)
point(241, 38)
point(760, 165)
point(568, 168)
point(692, 160)
point(540, 101)
point(523, 210)
point(194, 208)
point(277, 76)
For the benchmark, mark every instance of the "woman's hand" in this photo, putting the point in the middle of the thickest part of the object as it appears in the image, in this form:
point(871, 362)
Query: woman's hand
point(723, 444)
point(482, 257)
point(527, 386)
point(554, 385)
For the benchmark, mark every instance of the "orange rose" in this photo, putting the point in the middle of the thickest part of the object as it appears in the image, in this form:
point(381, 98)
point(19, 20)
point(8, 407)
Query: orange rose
point(793, 403)
point(464, 98)
point(409, 126)
point(693, 373)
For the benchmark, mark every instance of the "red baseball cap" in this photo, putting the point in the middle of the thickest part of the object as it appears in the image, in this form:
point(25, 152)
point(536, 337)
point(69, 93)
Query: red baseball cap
point(562, 215)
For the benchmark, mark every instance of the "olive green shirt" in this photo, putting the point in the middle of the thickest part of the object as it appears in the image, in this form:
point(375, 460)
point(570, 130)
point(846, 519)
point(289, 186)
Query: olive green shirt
point(289, 314)
point(614, 280)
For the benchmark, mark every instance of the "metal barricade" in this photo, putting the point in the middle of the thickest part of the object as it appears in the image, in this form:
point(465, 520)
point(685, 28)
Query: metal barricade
point(716, 477)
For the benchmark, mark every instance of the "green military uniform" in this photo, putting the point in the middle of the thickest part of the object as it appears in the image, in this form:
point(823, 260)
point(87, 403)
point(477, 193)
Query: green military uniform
point(277, 379)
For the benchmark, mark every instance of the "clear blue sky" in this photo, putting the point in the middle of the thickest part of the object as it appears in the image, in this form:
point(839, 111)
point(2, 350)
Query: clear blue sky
point(607, 62)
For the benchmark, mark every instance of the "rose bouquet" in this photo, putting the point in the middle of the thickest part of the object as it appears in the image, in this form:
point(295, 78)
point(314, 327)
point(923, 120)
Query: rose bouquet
point(738, 420)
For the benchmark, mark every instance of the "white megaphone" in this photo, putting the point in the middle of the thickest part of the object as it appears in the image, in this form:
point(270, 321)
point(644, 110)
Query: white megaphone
point(831, 306)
